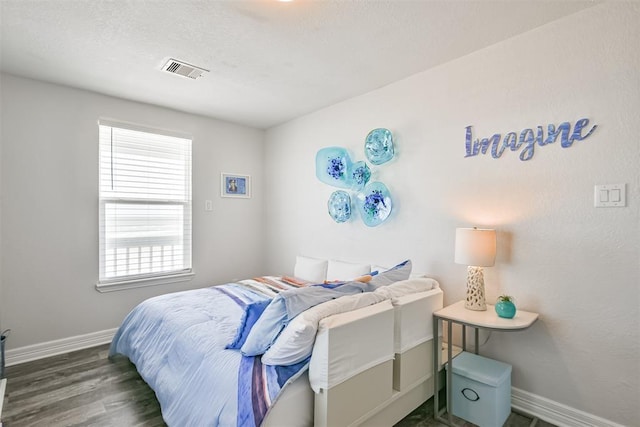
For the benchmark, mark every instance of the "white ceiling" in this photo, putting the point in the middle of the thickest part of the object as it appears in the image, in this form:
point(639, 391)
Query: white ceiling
point(269, 61)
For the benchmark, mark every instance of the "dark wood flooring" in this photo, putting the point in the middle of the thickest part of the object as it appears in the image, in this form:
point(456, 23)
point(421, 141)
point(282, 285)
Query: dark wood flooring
point(85, 388)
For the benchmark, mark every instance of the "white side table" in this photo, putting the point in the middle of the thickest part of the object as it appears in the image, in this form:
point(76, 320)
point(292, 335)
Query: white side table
point(456, 313)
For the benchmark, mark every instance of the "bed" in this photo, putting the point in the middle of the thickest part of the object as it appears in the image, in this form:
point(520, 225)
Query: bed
point(289, 351)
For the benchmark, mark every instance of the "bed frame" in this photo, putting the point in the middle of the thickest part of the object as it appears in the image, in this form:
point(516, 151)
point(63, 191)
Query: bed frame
point(375, 379)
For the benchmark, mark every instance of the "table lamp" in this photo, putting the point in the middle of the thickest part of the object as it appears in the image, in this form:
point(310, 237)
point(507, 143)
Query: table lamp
point(475, 248)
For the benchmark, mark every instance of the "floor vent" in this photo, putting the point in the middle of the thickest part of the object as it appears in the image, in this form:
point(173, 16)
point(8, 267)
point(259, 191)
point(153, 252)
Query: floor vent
point(180, 68)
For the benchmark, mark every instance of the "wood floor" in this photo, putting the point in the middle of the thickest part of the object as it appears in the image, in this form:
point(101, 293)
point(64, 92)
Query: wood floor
point(82, 388)
point(85, 388)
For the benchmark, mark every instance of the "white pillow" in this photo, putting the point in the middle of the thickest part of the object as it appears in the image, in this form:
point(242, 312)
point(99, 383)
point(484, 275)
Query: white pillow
point(295, 342)
point(340, 270)
point(313, 270)
point(406, 287)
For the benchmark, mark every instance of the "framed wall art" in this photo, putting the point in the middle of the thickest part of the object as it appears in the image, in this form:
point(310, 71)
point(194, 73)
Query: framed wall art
point(235, 185)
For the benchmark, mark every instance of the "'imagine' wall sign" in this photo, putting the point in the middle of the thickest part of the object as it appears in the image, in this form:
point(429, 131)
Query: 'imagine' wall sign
point(527, 140)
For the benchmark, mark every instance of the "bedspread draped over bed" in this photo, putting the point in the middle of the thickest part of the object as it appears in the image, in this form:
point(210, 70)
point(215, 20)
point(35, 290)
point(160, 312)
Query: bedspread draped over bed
point(177, 341)
point(184, 346)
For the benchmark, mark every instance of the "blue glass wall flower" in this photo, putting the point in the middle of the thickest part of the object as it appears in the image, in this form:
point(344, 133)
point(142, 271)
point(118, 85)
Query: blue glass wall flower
point(378, 146)
point(339, 206)
point(374, 204)
point(333, 165)
point(360, 174)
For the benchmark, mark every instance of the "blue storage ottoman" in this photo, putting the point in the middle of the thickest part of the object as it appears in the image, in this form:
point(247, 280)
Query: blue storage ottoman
point(481, 390)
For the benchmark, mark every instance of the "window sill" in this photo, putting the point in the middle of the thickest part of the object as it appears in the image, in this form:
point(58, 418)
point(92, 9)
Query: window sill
point(143, 283)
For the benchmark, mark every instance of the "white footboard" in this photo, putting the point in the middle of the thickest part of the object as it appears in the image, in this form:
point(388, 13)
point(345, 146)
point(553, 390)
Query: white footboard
point(373, 366)
point(351, 370)
point(370, 366)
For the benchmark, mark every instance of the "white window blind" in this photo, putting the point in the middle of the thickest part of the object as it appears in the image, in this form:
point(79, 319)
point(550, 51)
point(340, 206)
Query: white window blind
point(145, 204)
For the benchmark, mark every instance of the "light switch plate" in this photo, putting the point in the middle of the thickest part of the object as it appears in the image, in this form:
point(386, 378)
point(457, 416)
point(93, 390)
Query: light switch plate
point(610, 196)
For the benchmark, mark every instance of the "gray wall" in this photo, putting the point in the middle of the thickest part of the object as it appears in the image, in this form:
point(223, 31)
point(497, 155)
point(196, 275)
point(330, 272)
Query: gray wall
point(576, 265)
point(49, 180)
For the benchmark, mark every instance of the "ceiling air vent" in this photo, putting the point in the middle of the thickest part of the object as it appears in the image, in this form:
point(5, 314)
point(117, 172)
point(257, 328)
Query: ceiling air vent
point(174, 66)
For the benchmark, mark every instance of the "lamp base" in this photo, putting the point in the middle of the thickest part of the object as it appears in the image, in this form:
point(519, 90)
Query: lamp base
point(475, 289)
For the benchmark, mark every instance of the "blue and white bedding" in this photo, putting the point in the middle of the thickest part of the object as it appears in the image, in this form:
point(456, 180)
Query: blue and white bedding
point(180, 345)
point(201, 350)
point(177, 342)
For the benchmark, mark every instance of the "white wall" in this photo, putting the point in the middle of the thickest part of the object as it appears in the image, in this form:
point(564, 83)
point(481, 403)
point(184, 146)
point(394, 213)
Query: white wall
point(49, 182)
point(576, 265)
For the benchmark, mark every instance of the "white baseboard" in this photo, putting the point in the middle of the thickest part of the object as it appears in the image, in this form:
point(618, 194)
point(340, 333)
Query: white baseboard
point(554, 412)
point(52, 348)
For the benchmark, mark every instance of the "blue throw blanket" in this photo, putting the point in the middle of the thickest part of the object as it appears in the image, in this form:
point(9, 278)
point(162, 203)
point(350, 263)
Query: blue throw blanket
point(298, 300)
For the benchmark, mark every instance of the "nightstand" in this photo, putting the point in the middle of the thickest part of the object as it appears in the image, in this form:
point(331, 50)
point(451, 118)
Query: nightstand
point(488, 319)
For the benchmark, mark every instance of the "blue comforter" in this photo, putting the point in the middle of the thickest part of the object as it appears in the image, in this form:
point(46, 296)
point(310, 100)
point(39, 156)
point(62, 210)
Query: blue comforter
point(177, 342)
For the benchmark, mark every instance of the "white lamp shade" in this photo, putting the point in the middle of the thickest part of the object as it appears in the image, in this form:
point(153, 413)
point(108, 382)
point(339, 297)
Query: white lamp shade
point(476, 247)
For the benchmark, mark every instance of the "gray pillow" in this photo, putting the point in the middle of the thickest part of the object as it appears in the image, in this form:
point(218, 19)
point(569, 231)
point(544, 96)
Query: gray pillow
point(401, 271)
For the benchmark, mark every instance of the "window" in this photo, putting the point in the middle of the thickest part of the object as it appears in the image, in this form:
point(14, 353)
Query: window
point(145, 207)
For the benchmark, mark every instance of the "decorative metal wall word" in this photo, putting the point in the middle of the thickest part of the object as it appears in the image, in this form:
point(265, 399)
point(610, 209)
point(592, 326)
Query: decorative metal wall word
point(527, 140)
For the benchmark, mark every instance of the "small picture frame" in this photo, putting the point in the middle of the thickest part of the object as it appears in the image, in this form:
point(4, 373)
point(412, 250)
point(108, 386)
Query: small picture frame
point(235, 185)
